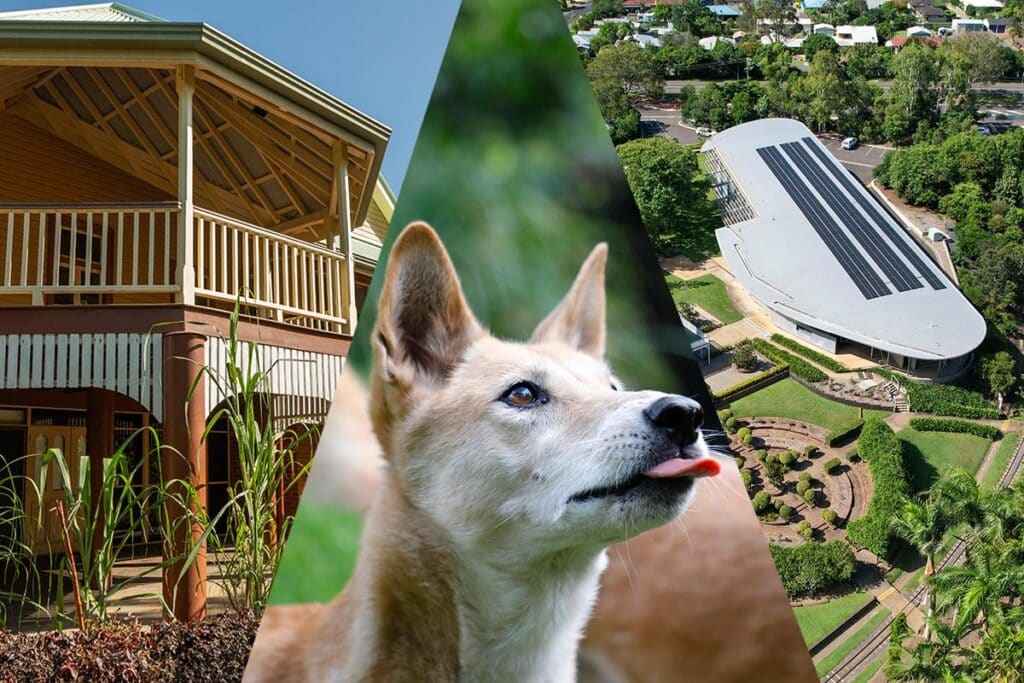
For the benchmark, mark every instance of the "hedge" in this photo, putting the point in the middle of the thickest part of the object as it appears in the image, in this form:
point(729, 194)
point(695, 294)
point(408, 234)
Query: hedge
point(810, 354)
point(797, 366)
point(883, 451)
point(943, 399)
point(729, 392)
point(932, 424)
point(832, 465)
point(844, 431)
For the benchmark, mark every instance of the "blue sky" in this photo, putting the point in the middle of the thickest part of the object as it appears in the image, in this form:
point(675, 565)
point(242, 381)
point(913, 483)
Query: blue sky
point(380, 57)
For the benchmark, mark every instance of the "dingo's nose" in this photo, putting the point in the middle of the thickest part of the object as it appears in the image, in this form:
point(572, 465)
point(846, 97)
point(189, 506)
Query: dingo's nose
point(680, 417)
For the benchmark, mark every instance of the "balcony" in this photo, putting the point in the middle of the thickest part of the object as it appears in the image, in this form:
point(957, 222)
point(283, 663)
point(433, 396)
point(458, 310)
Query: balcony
point(134, 254)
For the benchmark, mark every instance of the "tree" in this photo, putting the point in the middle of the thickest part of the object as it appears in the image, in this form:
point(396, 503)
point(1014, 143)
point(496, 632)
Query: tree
point(817, 42)
point(999, 371)
point(824, 90)
point(610, 34)
point(978, 588)
point(923, 525)
point(661, 174)
point(628, 65)
point(694, 18)
point(915, 91)
point(623, 121)
point(779, 18)
point(966, 60)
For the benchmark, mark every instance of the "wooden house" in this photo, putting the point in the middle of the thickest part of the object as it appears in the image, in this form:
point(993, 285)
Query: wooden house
point(152, 175)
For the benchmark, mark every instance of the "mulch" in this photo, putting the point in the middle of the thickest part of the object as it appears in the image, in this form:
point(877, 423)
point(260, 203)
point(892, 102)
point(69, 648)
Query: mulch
point(214, 649)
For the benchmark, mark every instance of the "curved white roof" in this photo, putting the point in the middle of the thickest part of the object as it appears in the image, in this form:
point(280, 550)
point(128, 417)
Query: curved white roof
point(821, 251)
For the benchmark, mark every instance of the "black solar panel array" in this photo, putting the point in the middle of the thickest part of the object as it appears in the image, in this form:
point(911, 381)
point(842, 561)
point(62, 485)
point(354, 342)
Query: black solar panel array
point(873, 230)
point(884, 222)
point(852, 261)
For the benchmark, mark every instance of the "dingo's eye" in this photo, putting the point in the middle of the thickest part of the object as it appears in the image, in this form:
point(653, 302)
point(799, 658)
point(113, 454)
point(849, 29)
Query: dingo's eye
point(523, 395)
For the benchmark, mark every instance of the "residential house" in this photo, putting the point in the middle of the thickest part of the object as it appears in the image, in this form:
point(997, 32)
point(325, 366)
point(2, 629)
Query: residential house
point(153, 176)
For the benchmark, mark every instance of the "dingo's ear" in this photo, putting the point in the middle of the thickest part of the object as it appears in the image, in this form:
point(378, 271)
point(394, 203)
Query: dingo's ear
point(579, 320)
point(424, 323)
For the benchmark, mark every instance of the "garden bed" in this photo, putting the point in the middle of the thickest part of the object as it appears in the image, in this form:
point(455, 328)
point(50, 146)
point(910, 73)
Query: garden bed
point(214, 649)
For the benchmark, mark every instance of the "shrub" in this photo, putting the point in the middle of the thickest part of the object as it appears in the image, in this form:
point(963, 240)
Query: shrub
point(802, 487)
point(805, 530)
point(810, 495)
point(761, 454)
point(762, 501)
point(743, 356)
point(816, 356)
point(785, 512)
point(788, 458)
point(932, 424)
point(748, 438)
point(812, 568)
point(725, 413)
point(797, 366)
point(805, 476)
point(778, 372)
point(743, 433)
point(739, 460)
point(810, 451)
point(830, 516)
point(946, 399)
point(748, 478)
point(778, 503)
point(844, 432)
point(832, 466)
point(730, 424)
point(883, 451)
point(853, 456)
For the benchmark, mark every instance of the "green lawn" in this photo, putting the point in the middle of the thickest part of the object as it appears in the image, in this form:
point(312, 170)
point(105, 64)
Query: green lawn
point(866, 675)
point(999, 461)
point(706, 291)
point(817, 621)
point(789, 399)
point(929, 454)
point(848, 645)
point(320, 556)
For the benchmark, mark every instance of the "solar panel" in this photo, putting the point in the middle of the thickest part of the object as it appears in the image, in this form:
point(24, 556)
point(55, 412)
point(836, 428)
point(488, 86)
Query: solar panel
point(869, 239)
point(884, 222)
point(856, 266)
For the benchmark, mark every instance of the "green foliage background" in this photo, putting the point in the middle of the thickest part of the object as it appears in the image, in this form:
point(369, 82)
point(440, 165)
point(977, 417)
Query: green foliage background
point(515, 169)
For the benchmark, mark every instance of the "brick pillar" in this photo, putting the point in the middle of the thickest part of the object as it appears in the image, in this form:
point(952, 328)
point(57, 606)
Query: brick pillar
point(184, 458)
point(99, 444)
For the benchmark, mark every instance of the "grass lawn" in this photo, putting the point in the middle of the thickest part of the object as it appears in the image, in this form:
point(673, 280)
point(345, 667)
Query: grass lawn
point(929, 454)
point(866, 675)
point(999, 461)
point(320, 556)
point(817, 621)
point(848, 645)
point(789, 399)
point(706, 291)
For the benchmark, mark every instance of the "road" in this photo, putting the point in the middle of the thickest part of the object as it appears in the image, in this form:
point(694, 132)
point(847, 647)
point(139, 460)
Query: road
point(666, 122)
point(1002, 86)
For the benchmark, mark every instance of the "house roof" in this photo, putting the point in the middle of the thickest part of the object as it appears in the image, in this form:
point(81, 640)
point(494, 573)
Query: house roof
point(82, 40)
point(104, 11)
point(811, 244)
point(723, 11)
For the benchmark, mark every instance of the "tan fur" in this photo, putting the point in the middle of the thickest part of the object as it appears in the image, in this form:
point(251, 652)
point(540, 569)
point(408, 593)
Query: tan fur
point(405, 613)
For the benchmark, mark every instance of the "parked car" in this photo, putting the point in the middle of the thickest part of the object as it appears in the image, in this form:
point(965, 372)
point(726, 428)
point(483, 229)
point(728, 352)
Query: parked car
point(705, 132)
point(850, 143)
point(984, 130)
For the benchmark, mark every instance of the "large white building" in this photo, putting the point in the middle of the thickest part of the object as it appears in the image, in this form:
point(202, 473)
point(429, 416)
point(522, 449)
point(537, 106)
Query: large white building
point(808, 241)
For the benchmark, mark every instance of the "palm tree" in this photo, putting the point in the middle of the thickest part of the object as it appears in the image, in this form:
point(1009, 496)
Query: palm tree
point(979, 587)
point(923, 525)
point(930, 660)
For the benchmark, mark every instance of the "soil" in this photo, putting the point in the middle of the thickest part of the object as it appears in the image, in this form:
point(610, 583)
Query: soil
point(214, 649)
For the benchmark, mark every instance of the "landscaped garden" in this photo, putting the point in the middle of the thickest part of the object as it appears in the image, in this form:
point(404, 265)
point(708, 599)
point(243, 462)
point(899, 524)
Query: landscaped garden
point(706, 291)
point(990, 480)
point(787, 398)
point(929, 454)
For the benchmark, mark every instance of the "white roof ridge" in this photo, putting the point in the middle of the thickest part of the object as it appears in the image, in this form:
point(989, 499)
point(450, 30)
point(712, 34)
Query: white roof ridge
point(101, 12)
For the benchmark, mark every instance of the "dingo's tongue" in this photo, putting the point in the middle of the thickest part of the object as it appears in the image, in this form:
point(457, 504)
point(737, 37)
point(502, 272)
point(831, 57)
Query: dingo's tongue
point(680, 467)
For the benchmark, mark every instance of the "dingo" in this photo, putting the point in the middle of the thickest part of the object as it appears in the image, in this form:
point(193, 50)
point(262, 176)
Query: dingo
point(510, 468)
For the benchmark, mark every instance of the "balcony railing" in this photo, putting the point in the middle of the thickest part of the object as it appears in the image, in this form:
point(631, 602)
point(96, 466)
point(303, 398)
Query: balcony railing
point(120, 254)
